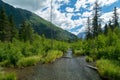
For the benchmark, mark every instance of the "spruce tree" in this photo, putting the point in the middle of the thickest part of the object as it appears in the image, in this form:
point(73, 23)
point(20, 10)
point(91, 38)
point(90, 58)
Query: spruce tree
point(99, 29)
point(5, 33)
point(88, 33)
point(110, 25)
point(95, 23)
point(106, 29)
point(14, 31)
point(26, 32)
point(115, 18)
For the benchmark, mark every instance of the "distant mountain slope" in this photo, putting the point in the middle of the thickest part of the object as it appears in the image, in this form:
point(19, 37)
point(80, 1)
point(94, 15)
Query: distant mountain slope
point(82, 35)
point(40, 25)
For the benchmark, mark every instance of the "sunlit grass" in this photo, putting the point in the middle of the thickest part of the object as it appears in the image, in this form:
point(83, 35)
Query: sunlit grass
point(7, 76)
point(79, 52)
point(28, 61)
point(108, 68)
point(89, 59)
point(52, 55)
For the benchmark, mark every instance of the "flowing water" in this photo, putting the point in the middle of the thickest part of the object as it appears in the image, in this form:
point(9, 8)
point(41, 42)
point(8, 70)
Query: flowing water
point(66, 68)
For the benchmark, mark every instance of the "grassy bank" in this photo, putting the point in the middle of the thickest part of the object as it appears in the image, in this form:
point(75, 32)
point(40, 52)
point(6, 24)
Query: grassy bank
point(22, 54)
point(7, 76)
point(109, 69)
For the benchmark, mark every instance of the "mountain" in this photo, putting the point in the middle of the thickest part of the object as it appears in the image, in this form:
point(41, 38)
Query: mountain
point(82, 35)
point(40, 25)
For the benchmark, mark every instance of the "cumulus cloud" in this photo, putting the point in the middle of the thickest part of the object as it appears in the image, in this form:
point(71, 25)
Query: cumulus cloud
point(31, 5)
point(64, 19)
point(68, 9)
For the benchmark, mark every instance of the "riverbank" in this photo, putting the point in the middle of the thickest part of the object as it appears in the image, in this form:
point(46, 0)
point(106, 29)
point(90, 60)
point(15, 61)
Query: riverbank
point(73, 68)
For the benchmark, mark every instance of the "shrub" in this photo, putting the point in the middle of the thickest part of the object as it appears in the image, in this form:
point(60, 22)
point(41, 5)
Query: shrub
point(7, 76)
point(28, 61)
point(89, 59)
point(52, 55)
point(94, 53)
point(79, 52)
point(108, 68)
point(10, 55)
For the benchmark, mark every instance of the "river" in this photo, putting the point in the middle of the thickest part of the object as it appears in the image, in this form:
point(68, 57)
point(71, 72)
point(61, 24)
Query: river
point(66, 68)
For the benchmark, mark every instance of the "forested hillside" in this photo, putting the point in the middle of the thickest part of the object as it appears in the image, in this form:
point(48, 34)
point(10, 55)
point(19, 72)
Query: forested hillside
point(22, 47)
point(40, 26)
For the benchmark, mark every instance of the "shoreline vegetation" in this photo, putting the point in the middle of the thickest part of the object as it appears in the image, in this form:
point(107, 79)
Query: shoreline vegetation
point(23, 47)
point(102, 45)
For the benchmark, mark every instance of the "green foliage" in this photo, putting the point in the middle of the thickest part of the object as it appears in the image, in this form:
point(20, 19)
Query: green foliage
point(5, 28)
point(79, 52)
point(9, 54)
point(108, 68)
point(96, 26)
point(102, 47)
point(89, 59)
point(7, 76)
point(25, 32)
point(52, 55)
point(14, 31)
point(18, 53)
point(62, 46)
point(28, 61)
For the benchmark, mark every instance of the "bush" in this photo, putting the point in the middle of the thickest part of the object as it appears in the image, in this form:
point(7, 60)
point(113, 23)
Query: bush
point(52, 55)
point(9, 55)
point(94, 53)
point(108, 68)
point(89, 59)
point(7, 76)
point(28, 61)
point(79, 52)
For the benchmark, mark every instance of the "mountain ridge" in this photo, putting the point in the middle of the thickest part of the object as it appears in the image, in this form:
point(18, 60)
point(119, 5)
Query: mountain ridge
point(40, 25)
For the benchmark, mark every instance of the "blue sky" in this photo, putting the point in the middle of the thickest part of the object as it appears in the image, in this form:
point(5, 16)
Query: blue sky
point(70, 15)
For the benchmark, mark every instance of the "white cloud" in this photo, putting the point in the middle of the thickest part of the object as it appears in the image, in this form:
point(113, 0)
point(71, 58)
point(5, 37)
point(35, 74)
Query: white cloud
point(63, 20)
point(87, 14)
point(68, 9)
point(31, 5)
point(107, 2)
point(108, 16)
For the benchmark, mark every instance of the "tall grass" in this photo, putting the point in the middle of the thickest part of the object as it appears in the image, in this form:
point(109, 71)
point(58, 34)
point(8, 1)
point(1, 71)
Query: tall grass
point(28, 61)
point(7, 76)
point(108, 68)
point(79, 52)
point(89, 59)
point(52, 55)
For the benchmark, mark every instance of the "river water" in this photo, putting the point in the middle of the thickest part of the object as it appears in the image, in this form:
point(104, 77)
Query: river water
point(66, 68)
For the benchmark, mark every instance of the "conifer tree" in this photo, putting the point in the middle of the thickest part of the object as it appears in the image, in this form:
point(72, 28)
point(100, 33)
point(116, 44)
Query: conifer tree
point(88, 33)
point(5, 33)
point(26, 32)
point(95, 23)
point(115, 18)
point(14, 31)
point(99, 29)
point(106, 29)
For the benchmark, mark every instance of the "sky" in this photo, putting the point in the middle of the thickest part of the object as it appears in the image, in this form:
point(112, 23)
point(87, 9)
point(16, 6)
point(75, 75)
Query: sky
point(70, 15)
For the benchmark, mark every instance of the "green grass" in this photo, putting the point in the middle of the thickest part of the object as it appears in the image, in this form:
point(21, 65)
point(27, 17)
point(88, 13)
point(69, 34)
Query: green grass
point(52, 55)
point(89, 59)
point(79, 52)
point(108, 68)
point(28, 61)
point(7, 76)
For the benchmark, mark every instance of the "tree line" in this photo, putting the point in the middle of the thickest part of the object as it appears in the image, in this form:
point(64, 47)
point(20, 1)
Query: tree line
point(9, 30)
point(94, 28)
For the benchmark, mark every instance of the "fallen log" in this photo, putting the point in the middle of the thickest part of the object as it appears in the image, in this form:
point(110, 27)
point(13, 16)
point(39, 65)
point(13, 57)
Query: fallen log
point(95, 68)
